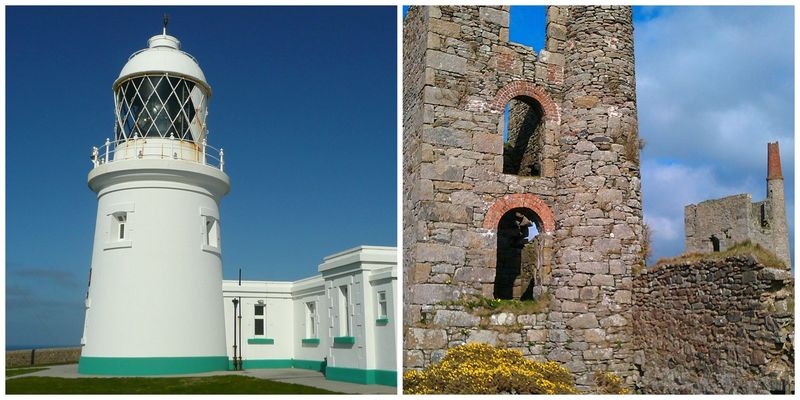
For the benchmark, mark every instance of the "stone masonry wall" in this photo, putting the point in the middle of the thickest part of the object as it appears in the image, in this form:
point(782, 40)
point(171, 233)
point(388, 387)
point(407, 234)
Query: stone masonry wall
point(34, 357)
point(598, 239)
point(587, 196)
point(723, 326)
point(414, 45)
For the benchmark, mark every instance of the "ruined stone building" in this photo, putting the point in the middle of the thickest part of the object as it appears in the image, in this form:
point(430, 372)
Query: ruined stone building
point(552, 212)
point(715, 225)
point(521, 181)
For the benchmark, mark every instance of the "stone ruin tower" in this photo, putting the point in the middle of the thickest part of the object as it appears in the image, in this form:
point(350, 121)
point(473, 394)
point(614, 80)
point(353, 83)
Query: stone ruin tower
point(553, 213)
point(715, 225)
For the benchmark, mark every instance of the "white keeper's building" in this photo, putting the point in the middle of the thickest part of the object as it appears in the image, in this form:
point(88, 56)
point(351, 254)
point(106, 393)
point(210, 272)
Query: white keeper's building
point(156, 302)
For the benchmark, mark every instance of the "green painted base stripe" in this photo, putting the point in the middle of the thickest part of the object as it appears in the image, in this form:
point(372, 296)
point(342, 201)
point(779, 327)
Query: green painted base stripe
point(386, 378)
point(255, 364)
point(307, 364)
point(362, 376)
point(130, 366)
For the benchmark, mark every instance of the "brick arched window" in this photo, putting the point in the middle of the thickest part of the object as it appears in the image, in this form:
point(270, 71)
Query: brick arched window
point(527, 89)
point(511, 201)
point(527, 111)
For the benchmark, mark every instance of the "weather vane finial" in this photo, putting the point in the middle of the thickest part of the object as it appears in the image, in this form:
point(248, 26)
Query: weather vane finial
point(166, 22)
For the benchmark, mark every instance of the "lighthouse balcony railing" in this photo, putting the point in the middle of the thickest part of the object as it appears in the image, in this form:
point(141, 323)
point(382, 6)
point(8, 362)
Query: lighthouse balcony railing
point(158, 148)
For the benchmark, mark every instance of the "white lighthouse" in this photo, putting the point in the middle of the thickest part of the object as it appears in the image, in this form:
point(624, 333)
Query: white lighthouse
point(155, 303)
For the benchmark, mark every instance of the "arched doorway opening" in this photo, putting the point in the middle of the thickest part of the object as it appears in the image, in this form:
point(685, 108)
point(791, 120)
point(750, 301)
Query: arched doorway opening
point(521, 255)
point(714, 244)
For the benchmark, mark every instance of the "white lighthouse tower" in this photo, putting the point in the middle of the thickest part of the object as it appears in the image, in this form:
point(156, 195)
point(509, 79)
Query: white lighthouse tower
point(155, 304)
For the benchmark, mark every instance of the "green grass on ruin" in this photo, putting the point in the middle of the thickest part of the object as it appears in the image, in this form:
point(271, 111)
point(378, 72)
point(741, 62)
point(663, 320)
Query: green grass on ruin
point(220, 384)
point(746, 248)
point(482, 306)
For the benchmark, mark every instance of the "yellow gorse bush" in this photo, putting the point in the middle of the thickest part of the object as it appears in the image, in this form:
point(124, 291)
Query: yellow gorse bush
point(479, 368)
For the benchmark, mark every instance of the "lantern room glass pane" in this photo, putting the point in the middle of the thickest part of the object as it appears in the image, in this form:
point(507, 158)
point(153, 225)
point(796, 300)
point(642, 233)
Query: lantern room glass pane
point(158, 106)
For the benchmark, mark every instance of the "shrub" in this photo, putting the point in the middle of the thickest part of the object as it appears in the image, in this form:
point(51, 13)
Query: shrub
point(478, 368)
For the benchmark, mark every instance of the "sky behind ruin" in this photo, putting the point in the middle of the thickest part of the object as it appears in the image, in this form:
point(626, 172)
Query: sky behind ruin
point(304, 104)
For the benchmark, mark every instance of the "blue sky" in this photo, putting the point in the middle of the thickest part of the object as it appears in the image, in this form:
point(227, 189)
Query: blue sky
point(714, 85)
point(304, 103)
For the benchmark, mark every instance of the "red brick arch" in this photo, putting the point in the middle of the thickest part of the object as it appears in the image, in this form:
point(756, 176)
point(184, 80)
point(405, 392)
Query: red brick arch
point(529, 89)
point(512, 201)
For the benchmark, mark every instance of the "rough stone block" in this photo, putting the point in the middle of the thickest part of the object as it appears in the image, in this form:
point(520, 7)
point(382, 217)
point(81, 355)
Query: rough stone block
point(473, 274)
point(447, 137)
point(421, 272)
point(566, 293)
point(444, 61)
point(418, 338)
point(441, 172)
point(483, 336)
point(622, 297)
point(495, 16)
point(445, 28)
point(598, 354)
point(455, 318)
point(602, 280)
point(613, 320)
point(592, 267)
point(595, 335)
point(537, 335)
point(571, 306)
point(439, 253)
point(431, 293)
point(589, 293)
point(583, 321)
point(440, 96)
point(488, 143)
point(503, 319)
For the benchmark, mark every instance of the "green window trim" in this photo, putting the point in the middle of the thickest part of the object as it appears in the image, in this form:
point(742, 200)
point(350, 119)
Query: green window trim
point(310, 341)
point(344, 339)
point(260, 341)
point(382, 321)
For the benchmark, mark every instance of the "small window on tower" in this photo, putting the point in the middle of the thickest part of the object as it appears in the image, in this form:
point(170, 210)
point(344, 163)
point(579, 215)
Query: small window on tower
point(119, 229)
point(120, 232)
point(210, 234)
point(121, 219)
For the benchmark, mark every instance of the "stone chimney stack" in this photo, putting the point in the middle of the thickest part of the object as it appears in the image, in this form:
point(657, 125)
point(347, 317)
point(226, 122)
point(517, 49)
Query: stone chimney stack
point(774, 161)
point(776, 201)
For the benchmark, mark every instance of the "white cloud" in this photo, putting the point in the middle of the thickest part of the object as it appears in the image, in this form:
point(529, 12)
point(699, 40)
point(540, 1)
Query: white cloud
point(714, 85)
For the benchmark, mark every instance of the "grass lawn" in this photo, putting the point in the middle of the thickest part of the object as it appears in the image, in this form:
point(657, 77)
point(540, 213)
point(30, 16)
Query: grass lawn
point(22, 371)
point(200, 385)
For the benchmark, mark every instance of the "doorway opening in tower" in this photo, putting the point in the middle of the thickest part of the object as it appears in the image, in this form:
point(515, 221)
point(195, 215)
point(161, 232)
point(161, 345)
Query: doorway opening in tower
point(520, 255)
point(523, 136)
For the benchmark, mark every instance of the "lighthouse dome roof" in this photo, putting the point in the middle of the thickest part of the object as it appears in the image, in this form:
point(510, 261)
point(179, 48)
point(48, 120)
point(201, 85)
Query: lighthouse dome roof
point(163, 54)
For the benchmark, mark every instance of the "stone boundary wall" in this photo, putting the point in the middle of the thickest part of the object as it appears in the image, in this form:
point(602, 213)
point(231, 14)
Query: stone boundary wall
point(33, 357)
point(715, 326)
